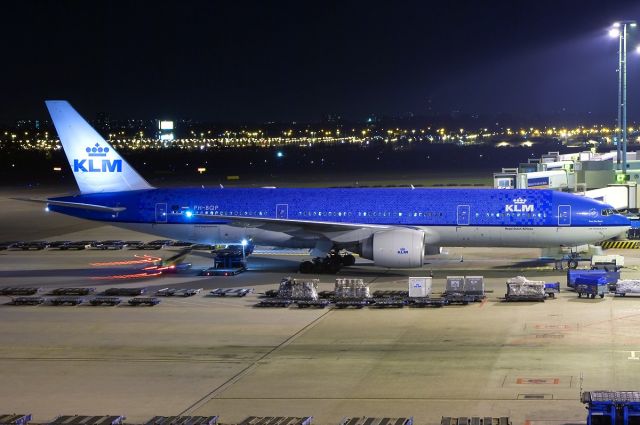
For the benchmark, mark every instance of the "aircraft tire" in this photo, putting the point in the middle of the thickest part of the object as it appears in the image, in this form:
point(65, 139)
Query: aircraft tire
point(572, 264)
point(306, 267)
point(348, 260)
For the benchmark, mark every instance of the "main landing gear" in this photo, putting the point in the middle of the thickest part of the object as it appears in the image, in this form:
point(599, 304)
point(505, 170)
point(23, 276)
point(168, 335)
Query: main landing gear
point(332, 263)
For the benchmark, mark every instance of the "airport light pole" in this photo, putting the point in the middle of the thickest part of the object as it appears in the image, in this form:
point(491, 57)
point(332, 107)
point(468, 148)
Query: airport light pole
point(619, 29)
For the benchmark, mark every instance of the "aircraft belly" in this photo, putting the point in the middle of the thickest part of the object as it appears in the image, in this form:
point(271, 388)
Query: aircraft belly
point(539, 237)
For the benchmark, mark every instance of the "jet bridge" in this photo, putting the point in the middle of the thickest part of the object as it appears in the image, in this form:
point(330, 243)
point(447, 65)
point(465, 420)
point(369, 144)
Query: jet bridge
point(619, 196)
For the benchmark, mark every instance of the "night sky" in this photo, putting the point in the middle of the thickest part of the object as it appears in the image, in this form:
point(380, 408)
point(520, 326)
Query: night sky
point(284, 61)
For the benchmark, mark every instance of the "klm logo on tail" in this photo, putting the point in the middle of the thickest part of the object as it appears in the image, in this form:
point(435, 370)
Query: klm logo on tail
point(94, 165)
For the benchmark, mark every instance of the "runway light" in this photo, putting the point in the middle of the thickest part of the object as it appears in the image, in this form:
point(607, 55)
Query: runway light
point(614, 32)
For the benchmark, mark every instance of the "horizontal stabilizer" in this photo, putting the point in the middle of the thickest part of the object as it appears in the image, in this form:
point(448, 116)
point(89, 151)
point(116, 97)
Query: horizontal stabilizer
point(80, 205)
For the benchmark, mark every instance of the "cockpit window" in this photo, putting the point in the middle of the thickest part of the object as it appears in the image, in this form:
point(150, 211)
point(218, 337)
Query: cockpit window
point(608, 211)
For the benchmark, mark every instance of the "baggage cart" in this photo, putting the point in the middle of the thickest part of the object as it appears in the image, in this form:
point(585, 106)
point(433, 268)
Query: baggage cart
point(27, 300)
point(312, 303)
point(274, 302)
point(66, 300)
point(111, 301)
point(591, 286)
point(427, 302)
point(18, 291)
point(385, 302)
point(350, 302)
point(522, 289)
point(72, 291)
point(551, 289)
point(232, 292)
point(150, 301)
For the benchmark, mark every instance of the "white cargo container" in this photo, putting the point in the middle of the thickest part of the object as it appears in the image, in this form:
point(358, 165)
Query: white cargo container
point(420, 287)
point(617, 260)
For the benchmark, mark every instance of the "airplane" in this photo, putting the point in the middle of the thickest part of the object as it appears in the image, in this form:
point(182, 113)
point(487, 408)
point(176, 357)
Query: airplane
point(393, 227)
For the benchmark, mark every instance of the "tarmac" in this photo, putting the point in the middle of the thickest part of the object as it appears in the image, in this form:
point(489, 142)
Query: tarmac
point(212, 356)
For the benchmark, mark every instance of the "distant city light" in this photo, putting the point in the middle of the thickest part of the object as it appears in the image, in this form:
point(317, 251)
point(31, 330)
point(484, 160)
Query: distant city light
point(166, 125)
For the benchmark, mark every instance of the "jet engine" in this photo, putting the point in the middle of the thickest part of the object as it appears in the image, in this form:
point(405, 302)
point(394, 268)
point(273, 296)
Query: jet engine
point(401, 248)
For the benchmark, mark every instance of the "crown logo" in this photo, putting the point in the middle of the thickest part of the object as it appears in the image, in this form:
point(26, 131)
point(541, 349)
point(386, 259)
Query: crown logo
point(97, 150)
point(519, 201)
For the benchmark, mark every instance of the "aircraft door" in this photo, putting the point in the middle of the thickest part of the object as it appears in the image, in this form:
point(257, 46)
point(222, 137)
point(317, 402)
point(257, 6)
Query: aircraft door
point(463, 215)
point(564, 215)
point(282, 211)
point(161, 212)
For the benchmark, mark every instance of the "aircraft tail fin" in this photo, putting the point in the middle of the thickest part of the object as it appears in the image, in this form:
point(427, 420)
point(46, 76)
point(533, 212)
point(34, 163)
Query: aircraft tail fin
point(96, 166)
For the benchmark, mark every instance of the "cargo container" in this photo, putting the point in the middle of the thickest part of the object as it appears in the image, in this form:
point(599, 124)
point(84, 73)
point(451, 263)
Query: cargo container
point(420, 287)
point(590, 286)
point(572, 274)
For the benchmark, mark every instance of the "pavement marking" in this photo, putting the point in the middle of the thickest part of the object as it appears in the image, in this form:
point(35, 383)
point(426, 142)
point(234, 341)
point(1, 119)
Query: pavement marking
point(235, 378)
point(538, 381)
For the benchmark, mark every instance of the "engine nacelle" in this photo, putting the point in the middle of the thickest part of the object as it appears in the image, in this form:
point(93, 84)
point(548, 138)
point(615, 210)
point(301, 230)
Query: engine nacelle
point(401, 248)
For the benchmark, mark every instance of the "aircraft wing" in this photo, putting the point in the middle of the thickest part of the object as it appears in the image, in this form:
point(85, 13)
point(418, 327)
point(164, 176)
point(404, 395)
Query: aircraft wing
point(337, 232)
point(80, 205)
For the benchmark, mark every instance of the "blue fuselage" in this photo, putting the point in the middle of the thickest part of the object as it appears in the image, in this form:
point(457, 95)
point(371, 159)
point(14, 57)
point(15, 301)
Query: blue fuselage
point(423, 208)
